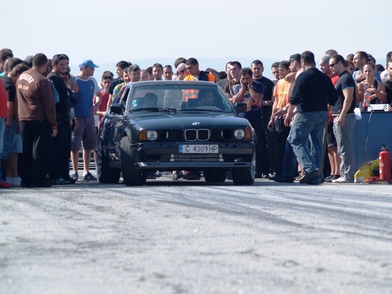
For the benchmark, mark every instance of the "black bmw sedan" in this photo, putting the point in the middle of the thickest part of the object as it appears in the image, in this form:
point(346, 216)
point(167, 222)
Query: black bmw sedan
point(172, 126)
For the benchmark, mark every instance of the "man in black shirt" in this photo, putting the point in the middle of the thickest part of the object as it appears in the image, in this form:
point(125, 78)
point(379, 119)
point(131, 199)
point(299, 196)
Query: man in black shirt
point(312, 93)
point(59, 166)
point(344, 118)
point(120, 67)
point(266, 157)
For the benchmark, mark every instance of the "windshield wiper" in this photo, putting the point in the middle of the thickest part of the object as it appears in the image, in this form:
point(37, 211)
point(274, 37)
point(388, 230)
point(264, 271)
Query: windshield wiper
point(169, 109)
point(146, 109)
point(202, 109)
point(155, 109)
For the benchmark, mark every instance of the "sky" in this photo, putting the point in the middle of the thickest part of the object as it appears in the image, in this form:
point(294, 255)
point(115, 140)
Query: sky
point(220, 30)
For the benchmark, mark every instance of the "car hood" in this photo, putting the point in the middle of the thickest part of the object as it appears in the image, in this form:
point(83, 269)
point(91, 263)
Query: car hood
point(189, 120)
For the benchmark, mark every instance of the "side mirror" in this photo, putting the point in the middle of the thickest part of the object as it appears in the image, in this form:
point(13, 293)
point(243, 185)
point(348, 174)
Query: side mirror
point(240, 107)
point(117, 108)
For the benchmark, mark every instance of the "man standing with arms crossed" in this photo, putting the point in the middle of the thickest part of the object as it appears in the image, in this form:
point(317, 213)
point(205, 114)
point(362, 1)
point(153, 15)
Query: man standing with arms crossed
point(312, 93)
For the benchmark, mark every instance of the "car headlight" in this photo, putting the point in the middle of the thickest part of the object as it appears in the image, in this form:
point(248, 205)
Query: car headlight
point(148, 135)
point(239, 134)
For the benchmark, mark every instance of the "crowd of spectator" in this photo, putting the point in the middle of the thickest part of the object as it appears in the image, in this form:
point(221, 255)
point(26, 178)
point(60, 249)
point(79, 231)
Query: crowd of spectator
point(48, 115)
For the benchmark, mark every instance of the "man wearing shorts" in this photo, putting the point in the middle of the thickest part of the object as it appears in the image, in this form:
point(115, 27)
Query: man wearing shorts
point(85, 132)
point(12, 141)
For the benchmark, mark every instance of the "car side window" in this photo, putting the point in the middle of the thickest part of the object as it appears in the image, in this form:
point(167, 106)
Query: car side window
point(124, 96)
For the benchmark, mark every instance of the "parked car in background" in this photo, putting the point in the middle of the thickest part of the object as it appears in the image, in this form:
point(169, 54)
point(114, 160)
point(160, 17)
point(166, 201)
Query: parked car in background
point(175, 125)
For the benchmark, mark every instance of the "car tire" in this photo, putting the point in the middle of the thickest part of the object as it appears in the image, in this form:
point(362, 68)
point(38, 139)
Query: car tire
point(106, 175)
point(131, 176)
point(245, 176)
point(215, 176)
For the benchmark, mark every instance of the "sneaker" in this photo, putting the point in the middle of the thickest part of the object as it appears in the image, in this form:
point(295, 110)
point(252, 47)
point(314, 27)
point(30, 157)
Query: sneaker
point(192, 176)
point(60, 181)
point(274, 176)
point(309, 177)
point(281, 179)
point(151, 177)
point(14, 181)
point(25, 184)
point(177, 175)
point(42, 184)
point(299, 177)
point(342, 180)
point(331, 178)
point(315, 180)
point(75, 176)
point(68, 178)
point(4, 184)
point(89, 177)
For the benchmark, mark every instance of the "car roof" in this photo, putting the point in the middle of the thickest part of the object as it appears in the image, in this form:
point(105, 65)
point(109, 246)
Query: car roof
point(164, 82)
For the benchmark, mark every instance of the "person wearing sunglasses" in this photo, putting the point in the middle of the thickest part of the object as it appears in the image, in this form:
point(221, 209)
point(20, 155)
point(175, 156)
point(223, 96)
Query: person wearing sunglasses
point(344, 118)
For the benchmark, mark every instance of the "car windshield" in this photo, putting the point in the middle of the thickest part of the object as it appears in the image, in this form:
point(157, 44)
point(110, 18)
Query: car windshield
point(178, 97)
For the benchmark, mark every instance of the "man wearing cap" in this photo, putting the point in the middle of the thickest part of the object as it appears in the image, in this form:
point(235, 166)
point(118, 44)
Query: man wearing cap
point(181, 72)
point(177, 62)
point(296, 70)
point(84, 115)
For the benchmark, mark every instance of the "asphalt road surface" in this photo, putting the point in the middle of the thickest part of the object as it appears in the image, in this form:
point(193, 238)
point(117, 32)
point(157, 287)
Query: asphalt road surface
point(193, 237)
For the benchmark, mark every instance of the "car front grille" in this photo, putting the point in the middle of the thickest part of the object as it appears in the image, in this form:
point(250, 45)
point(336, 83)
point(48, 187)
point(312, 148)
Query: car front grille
point(196, 157)
point(197, 135)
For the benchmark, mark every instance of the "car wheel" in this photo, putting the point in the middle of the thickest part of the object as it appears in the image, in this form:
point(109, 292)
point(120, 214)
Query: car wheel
point(106, 175)
point(131, 176)
point(245, 176)
point(217, 176)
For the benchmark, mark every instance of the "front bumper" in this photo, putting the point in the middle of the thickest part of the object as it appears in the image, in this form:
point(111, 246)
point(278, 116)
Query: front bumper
point(166, 156)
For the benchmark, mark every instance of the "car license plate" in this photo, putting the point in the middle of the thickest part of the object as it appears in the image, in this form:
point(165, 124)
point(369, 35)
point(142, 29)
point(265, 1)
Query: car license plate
point(198, 149)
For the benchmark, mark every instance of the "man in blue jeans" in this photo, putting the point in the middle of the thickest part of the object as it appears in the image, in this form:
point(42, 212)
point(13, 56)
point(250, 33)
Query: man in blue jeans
point(312, 94)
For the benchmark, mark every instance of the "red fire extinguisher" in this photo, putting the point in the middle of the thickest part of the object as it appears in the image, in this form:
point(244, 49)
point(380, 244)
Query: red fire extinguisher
point(385, 163)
